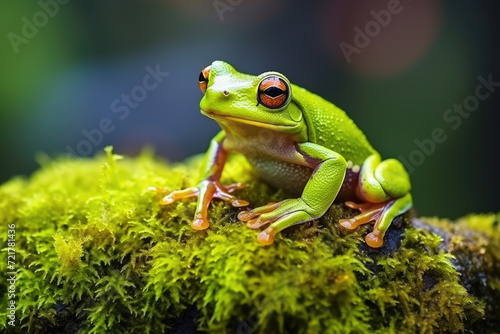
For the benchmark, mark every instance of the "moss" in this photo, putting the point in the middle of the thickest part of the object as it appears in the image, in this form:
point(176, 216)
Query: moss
point(96, 253)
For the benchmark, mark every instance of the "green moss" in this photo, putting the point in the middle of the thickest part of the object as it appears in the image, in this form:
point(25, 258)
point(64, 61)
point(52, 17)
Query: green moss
point(97, 253)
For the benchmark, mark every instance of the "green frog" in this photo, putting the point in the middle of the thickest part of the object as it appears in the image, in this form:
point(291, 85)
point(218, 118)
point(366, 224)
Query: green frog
point(299, 142)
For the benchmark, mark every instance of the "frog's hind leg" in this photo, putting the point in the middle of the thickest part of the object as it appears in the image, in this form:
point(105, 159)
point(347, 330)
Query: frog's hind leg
point(384, 186)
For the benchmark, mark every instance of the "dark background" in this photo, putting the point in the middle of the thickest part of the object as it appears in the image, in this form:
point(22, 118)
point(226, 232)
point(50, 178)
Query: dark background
point(64, 78)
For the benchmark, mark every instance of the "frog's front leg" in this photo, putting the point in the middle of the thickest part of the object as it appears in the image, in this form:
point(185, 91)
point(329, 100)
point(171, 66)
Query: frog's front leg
point(384, 186)
point(317, 196)
point(209, 187)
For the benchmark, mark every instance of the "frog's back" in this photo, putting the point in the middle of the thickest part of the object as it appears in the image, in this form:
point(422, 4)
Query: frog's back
point(330, 127)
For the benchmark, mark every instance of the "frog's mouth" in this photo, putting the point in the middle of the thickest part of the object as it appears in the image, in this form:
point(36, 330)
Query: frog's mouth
point(260, 124)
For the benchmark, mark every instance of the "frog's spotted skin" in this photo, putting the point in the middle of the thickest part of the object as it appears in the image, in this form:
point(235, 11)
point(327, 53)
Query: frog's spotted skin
point(297, 141)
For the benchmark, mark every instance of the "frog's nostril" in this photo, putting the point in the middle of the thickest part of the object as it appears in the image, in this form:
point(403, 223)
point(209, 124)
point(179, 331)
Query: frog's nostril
point(226, 93)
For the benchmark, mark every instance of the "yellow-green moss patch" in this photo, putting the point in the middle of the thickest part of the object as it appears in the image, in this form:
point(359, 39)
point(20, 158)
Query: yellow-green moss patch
point(96, 253)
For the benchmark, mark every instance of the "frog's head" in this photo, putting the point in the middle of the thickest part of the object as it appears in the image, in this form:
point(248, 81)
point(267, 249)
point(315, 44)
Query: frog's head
point(264, 101)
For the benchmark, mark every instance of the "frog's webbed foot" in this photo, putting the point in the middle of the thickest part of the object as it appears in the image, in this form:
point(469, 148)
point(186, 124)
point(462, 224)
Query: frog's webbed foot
point(280, 215)
point(369, 212)
point(380, 213)
point(205, 191)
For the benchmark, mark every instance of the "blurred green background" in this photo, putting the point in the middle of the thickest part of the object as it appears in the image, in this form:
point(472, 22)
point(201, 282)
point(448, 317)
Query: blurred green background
point(65, 63)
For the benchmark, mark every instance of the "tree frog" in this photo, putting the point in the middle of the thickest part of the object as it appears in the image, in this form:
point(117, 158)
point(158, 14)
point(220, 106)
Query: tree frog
point(296, 141)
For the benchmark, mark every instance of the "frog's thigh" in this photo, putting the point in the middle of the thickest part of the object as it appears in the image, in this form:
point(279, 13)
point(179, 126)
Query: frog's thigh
point(320, 190)
point(318, 194)
point(382, 180)
point(326, 179)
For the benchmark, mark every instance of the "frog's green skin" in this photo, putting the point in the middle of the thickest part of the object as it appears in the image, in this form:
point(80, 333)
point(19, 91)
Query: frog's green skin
point(309, 147)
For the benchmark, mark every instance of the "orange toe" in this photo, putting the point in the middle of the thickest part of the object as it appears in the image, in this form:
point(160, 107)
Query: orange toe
point(200, 223)
point(266, 237)
point(374, 240)
point(257, 223)
point(167, 200)
point(349, 224)
point(253, 223)
point(245, 216)
point(239, 203)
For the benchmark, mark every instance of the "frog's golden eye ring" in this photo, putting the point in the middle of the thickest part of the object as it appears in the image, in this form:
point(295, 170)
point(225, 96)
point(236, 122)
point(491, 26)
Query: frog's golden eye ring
point(203, 79)
point(273, 92)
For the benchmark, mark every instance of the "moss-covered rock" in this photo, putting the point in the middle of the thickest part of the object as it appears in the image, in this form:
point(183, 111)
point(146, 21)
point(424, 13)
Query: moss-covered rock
point(96, 253)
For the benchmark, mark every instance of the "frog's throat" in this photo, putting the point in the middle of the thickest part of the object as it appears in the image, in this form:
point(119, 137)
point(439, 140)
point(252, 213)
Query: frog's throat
point(246, 121)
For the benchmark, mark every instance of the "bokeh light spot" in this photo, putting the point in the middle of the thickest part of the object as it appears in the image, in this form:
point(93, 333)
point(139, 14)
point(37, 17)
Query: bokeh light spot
point(381, 38)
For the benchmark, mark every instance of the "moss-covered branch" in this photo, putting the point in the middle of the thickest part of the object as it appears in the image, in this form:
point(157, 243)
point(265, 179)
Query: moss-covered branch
point(96, 253)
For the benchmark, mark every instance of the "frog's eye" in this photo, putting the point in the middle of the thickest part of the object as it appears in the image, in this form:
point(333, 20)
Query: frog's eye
point(203, 79)
point(273, 92)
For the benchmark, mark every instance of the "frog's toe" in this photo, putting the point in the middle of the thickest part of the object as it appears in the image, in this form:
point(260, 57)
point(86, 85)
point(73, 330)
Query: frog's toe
point(257, 223)
point(369, 213)
point(266, 237)
point(284, 221)
point(349, 224)
point(235, 186)
point(245, 216)
point(200, 222)
point(174, 195)
point(251, 214)
point(374, 239)
point(224, 193)
point(236, 202)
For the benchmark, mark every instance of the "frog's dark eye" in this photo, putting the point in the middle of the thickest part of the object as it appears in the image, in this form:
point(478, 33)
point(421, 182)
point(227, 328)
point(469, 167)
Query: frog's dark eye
point(273, 92)
point(203, 79)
